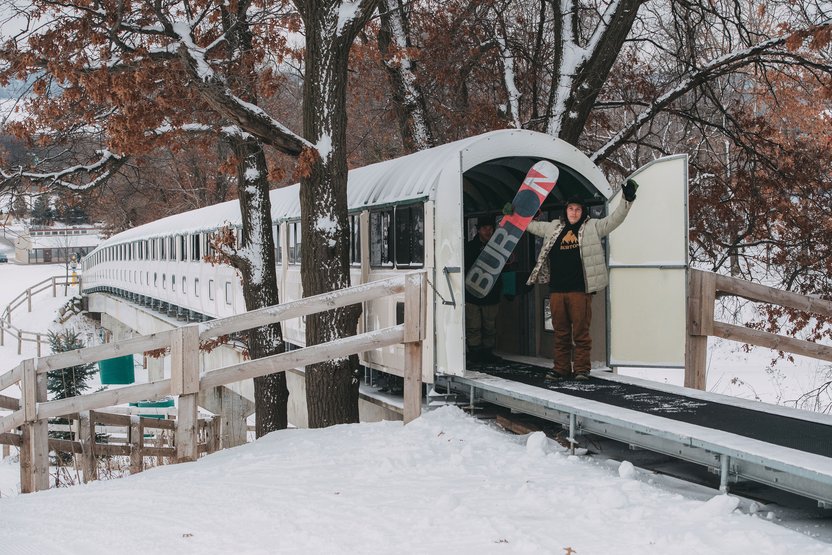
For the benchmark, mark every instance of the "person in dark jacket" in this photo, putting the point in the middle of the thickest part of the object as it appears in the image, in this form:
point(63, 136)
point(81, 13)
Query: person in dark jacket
point(572, 262)
point(481, 314)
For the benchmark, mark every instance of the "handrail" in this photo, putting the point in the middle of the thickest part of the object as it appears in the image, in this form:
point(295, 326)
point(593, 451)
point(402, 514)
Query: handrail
point(26, 296)
point(703, 290)
point(185, 380)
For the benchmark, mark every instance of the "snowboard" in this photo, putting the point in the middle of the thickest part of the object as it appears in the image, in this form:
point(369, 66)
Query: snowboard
point(537, 185)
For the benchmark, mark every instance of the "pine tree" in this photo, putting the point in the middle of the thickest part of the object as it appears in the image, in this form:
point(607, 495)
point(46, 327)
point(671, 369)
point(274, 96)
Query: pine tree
point(41, 212)
point(66, 382)
point(72, 381)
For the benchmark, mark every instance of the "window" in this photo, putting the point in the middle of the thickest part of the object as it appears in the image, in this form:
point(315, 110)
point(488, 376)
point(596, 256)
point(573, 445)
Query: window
point(294, 242)
point(155, 279)
point(196, 241)
point(381, 246)
point(355, 239)
point(183, 251)
point(196, 287)
point(278, 252)
point(172, 283)
point(228, 292)
point(164, 281)
point(410, 235)
point(161, 243)
point(184, 290)
point(172, 248)
point(210, 289)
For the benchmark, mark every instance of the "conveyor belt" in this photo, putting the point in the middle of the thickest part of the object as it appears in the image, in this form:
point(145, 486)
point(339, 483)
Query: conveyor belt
point(811, 437)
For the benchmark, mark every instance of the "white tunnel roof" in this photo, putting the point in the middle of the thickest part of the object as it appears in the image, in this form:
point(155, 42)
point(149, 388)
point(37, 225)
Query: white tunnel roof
point(410, 177)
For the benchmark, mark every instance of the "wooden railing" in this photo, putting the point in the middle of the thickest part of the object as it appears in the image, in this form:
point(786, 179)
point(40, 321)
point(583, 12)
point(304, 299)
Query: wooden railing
point(6, 326)
point(704, 287)
point(186, 382)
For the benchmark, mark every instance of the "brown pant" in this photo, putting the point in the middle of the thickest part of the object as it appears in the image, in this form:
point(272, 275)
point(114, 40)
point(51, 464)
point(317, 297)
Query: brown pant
point(481, 325)
point(571, 315)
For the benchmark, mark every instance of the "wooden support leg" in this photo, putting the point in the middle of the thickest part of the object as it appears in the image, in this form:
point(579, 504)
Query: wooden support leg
point(186, 428)
point(136, 444)
point(412, 381)
point(89, 463)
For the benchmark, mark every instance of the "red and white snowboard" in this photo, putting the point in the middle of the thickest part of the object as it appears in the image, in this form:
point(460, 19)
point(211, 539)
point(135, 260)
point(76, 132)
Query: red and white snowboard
point(539, 182)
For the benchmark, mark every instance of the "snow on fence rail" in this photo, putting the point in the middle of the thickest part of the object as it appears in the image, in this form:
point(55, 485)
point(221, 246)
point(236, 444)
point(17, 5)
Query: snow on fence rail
point(702, 293)
point(185, 381)
point(23, 335)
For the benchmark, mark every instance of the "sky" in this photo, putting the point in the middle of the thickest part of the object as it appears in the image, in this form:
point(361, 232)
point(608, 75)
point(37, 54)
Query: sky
point(445, 483)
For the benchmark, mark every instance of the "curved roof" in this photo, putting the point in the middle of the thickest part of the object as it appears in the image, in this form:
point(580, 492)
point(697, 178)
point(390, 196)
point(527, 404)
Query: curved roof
point(410, 177)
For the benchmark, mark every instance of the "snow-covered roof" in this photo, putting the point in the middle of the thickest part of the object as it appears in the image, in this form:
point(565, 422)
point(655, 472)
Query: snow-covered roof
point(411, 177)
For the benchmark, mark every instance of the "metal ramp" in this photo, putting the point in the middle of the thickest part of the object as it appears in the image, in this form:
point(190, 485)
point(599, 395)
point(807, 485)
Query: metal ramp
point(784, 448)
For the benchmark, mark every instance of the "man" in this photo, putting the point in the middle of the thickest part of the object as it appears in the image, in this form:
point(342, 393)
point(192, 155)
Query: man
point(572, 262)
point(481, 314)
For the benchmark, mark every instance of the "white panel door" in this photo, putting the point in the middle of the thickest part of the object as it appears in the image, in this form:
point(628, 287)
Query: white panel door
point(648, 258)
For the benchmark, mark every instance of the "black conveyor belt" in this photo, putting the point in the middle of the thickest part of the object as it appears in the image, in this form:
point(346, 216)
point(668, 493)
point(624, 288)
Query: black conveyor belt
point(798, 434)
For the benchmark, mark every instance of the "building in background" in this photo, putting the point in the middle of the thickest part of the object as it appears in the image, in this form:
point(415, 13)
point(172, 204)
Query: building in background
point(56, 243)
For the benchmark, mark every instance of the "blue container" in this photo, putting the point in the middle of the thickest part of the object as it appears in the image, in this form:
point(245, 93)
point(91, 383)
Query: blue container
point(117, 370)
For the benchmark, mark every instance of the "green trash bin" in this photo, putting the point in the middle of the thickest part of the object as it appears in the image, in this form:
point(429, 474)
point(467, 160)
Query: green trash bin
point(117, 370)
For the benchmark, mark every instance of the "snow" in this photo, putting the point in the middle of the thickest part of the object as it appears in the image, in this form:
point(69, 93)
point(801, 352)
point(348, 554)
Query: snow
point(346, 13)
point(444, 483)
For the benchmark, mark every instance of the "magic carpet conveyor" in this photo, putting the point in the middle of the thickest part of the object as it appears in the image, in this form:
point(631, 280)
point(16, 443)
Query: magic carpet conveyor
point(785, 448)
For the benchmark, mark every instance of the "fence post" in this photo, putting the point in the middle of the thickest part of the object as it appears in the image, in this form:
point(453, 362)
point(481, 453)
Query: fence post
point(37, 341)
point(86, 422)
point(29, 299)
point(701, 298)
point(136, 444)
point(2, 332)
point(184, 382)
point(414, 333)
point(34, 452)
point(54, 287)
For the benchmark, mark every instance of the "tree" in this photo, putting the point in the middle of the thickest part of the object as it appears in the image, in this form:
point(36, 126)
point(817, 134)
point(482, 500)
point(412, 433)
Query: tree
point(42, 213)
point(67, 382)
point(140, 74)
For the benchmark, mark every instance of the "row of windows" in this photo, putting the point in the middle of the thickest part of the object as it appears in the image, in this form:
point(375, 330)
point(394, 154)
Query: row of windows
point(145, 278)
point(397, 238)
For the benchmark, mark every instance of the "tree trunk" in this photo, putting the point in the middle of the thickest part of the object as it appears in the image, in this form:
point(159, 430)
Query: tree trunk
point(255, 261)
point(331, 387)
point(408, 101)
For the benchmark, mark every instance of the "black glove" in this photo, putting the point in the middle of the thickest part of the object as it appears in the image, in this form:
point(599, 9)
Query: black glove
point(629, 189)
point(508, 209)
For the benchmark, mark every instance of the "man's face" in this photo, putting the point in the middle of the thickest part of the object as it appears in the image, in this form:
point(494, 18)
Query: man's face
point(573, 213)
point(485, 232)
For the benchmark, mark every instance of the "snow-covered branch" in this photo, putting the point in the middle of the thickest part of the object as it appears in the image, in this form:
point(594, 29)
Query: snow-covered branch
point(105, 167)
point(694, 78)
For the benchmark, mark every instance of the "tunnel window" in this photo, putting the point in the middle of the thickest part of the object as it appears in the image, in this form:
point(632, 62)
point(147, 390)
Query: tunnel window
point(381, 244)
point(410, 235)
point(355, 239)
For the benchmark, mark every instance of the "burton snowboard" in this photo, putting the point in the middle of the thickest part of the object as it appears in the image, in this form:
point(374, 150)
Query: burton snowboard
point(533, 191)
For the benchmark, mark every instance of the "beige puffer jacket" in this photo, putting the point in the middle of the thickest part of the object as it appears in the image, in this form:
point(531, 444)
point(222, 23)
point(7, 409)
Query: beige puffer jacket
point(596, 273)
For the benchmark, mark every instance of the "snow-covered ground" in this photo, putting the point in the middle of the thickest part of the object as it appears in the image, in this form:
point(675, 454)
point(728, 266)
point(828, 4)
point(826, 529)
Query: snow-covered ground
point(444, 483)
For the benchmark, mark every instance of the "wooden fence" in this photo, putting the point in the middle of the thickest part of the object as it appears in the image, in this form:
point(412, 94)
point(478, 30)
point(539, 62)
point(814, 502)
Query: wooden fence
point(186, 382)
point(705, 287)
point(6, 326)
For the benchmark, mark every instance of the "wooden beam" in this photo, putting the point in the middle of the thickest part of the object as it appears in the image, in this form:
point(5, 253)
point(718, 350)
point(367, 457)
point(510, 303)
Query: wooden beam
point(10, 439)
point(89, 464)
point(763, 293)
point(9, 403)
point(302, 307)
point(88, 355)
point(136, 445)
point(184, 360)
point(102, 399)
point(302, 357)
point(12, 421)
point(773, 341)
point(412, 381)
point(186, 428)
point(11, 377)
